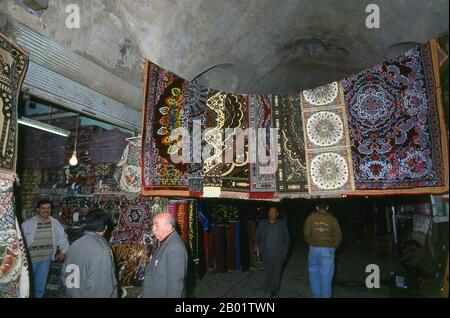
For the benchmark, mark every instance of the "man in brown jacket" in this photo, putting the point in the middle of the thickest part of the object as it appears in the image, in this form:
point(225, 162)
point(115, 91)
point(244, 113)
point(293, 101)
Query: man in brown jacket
point(323, 234)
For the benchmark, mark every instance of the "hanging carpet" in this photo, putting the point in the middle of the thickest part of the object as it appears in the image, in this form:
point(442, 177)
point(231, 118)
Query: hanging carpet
point(212, 165)
point(396, 124)
point(235, 169)
point(195, 97)
point(13, 66)
point(262, 152)
point(291, 174)
point(135, 224)
point(163, 114)
point(327, 146)
point(14, 276)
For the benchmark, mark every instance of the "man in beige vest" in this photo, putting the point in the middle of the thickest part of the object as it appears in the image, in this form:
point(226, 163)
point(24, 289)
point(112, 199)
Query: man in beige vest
point(44, 235)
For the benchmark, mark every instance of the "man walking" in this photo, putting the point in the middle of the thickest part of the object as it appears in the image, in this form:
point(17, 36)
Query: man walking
point(89, 270)
point(323, 234)
point(166, 272)
point(44, 235)
point(272, 239)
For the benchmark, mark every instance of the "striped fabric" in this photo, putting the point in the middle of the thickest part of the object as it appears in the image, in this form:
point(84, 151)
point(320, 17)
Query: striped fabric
point(42, 246)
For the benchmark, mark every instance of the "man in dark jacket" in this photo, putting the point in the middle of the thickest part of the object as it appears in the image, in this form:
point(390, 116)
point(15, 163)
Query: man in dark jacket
point(323, 234)
point(166, 272)
point(89, 271)
point(272, 239)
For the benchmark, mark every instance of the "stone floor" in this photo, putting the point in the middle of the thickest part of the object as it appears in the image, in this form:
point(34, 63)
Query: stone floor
point(349, 280)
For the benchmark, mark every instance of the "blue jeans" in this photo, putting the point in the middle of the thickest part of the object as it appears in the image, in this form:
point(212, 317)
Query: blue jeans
point(321, 271)
point(40, 274)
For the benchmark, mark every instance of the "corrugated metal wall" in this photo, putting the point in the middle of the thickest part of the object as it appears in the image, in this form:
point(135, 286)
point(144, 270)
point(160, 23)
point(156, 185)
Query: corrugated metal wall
point(58, 89)
point(70, 80)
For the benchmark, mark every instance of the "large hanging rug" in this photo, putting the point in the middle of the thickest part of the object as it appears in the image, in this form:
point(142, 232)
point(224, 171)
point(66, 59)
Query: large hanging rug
point(396, 125)
point(13, 66)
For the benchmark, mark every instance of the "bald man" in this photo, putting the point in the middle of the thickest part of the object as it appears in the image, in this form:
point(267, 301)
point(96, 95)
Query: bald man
point(166, 272)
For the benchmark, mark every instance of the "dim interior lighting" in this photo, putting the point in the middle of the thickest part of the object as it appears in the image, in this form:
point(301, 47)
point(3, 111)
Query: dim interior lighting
point(43, 126)
point(73, 161)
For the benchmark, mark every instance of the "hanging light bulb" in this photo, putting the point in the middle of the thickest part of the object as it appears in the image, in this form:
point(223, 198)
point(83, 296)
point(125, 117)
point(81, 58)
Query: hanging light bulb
point(73, 161)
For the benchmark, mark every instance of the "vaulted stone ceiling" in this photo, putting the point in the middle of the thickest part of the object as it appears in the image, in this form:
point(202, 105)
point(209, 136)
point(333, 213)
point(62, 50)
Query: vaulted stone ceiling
point(249, 46)
point(277, 46)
